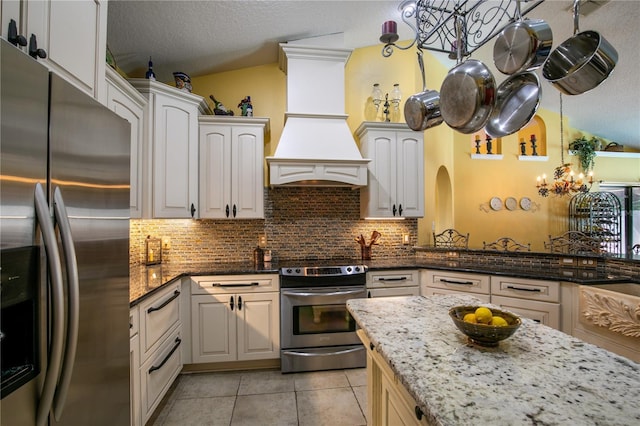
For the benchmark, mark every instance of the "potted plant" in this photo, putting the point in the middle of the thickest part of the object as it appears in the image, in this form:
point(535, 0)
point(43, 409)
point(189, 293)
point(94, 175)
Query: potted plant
point(585, 149)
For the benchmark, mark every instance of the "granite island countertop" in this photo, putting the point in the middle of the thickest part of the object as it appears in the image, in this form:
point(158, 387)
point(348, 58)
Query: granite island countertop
point(537, 376)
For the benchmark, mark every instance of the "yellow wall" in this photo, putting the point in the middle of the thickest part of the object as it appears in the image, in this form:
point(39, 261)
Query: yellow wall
point(475, 182)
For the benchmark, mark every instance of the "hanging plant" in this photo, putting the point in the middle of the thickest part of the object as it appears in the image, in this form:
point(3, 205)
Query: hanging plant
point(585, 149)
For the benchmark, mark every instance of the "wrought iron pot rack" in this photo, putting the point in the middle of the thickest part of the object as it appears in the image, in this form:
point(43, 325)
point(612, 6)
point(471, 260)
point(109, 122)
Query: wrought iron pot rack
point(433, 21)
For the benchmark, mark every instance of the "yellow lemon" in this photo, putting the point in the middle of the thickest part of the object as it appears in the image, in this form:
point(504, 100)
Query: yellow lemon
point(483, 315)
point(470, 318)
point(498, 321)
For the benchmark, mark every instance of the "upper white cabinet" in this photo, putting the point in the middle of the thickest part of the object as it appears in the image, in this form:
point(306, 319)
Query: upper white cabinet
point(231, 167)
point(396, 170)
point(69, 37)
point(171, 133)
point(129, 104)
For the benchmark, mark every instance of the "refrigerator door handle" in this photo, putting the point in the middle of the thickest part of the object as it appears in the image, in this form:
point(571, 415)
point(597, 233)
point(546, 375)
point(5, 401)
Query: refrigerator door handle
point(57, 305)
point(73, 302)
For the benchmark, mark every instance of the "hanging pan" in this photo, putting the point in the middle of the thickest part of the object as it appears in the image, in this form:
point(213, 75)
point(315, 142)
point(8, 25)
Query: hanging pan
point(517, 101)
point(523, 45)
point(422, 110)
point(467, 95)
point(582, 62)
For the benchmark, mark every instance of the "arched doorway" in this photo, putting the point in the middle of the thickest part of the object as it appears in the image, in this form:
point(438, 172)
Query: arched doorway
point(444, 201)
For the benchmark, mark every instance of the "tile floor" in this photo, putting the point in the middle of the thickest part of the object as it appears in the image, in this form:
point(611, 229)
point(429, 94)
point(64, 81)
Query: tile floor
point(266, 397)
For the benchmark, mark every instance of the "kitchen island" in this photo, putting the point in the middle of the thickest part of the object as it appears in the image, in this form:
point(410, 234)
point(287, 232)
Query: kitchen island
point(537, 376)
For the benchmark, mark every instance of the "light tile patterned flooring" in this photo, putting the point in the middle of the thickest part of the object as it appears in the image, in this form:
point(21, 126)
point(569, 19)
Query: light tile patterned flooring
point(267, 397)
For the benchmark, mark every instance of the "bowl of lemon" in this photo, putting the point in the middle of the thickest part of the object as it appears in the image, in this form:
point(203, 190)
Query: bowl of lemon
point(484, 326)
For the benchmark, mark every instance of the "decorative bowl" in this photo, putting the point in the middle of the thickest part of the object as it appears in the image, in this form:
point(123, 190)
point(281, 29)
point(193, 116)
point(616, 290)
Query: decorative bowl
point(484, 334)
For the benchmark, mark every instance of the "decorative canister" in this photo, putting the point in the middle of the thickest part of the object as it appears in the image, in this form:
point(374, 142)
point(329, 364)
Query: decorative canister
point(183, 81)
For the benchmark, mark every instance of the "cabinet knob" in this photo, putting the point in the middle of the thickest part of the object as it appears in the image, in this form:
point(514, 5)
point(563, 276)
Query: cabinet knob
point(394, 210)
point(400, 210)
point(193, 210)
point(13, 37)
point(34, 52)
point(419, 413)
point(226, 210)
point(234, 210)
point(231, 303)
point(239, 303)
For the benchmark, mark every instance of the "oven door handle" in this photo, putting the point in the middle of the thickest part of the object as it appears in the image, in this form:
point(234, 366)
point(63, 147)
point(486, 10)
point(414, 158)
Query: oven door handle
point(323, 294)
point(321, 354)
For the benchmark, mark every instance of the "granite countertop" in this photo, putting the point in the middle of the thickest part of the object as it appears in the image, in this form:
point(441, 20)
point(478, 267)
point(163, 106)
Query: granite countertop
point(537, 376)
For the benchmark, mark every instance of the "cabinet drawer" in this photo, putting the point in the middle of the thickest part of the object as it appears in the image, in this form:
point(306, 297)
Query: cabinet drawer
point(134, 321)
point(231, 284)
point(542, 312)
point(159, 372)
point(384, 279)
point(394, 291)
point(158, 315)
point(430, 291)
point(545, 291)
point(458, 281)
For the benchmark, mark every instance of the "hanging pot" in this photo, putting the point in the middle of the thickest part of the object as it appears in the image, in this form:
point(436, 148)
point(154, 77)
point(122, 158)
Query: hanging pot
point(517, 100)
point(422, 110)
point(467, 95)
point(582, 62)
point(523, 45)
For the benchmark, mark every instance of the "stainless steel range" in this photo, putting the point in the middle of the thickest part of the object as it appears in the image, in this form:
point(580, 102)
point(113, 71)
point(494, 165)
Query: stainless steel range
point(316, 330)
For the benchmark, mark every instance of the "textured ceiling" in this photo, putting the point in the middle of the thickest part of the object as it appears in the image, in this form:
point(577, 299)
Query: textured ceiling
point(202, 37)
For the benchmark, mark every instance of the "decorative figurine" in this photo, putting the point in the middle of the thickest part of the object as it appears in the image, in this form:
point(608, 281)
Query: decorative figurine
point(246, 108)
point(219, 108)
point(533, 145)
point(489, 145)
point(150, 75)
point(523, 147)
point(477, 144)
point(183, 81)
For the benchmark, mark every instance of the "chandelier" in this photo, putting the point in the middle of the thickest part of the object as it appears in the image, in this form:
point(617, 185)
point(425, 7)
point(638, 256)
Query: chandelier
point(564, 180)
point(434, 23)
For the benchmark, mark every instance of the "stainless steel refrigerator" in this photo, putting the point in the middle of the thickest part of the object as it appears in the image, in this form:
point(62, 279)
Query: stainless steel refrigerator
point(64, 239)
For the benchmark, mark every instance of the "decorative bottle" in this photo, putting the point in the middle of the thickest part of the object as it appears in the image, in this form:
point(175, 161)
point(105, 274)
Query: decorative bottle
point(150, 75)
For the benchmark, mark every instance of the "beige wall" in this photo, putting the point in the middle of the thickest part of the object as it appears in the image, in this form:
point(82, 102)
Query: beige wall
point(447, 153)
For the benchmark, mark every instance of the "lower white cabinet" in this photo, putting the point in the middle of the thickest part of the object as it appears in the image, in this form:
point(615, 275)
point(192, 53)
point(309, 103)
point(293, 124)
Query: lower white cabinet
point(436, 282)
point(538, 300)
point(134, 367)
point(393, 283)
point(235, 318)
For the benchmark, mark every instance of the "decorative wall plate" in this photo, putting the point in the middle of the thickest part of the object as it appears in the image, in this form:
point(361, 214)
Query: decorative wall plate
point(525, 203)
point(496, 203)
point(511, 203)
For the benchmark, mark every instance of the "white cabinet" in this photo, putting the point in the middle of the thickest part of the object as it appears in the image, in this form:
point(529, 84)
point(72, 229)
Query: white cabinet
point(129, 104)
point(393, 283)
point(231, 167)
point(160, 337)
point(134, 367)
point(171, 133)
point(71, 34)
point(235, 318)
point(538, 300)
point(396, 170)
point(434, 282)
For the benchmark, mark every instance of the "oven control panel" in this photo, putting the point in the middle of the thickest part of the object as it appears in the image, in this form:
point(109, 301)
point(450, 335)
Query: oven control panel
point(324, 271)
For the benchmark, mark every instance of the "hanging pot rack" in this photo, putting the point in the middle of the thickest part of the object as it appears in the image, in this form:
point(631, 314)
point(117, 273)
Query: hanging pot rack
point(433, 22)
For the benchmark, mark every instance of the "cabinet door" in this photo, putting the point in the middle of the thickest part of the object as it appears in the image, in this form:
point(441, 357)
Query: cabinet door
point(542, 312)
point(11, 9)
point(175, 158)
point(215, 171)
point(258, 326)
point(74, 36)
point(158, 315)
point(394, 291)
point(130, 105)
point(134, 379)
point(247, 187)
point(410, 175)
point(379, 198)
point(213, 322)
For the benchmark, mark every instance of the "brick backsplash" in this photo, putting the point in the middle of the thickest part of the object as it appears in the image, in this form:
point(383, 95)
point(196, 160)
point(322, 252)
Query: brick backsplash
point(300, 223)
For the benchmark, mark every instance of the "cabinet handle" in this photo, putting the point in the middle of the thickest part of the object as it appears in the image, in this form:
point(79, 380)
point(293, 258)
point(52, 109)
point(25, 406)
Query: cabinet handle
point(226, 210)
point(166, 358)
point(534, 290)
point(400, 210)
point(13, 37)
point(393, 279)
point(369, 295)
point(231, 303)
point(442, 280)
point(419, 413)
point(165, 303)
point(371, 346)
point(193, 210)
point(234, 210)
point(239, 303)
point(34, 52)
point(236, 285)
point(394, 210)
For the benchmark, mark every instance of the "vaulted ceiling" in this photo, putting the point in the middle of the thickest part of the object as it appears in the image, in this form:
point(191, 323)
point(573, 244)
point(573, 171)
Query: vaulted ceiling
point(203, 37)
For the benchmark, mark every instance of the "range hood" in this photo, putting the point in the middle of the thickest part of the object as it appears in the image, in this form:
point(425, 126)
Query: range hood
point(316, 147)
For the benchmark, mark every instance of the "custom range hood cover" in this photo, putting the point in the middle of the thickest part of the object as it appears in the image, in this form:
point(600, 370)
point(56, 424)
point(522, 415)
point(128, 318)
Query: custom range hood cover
point(316, 147)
